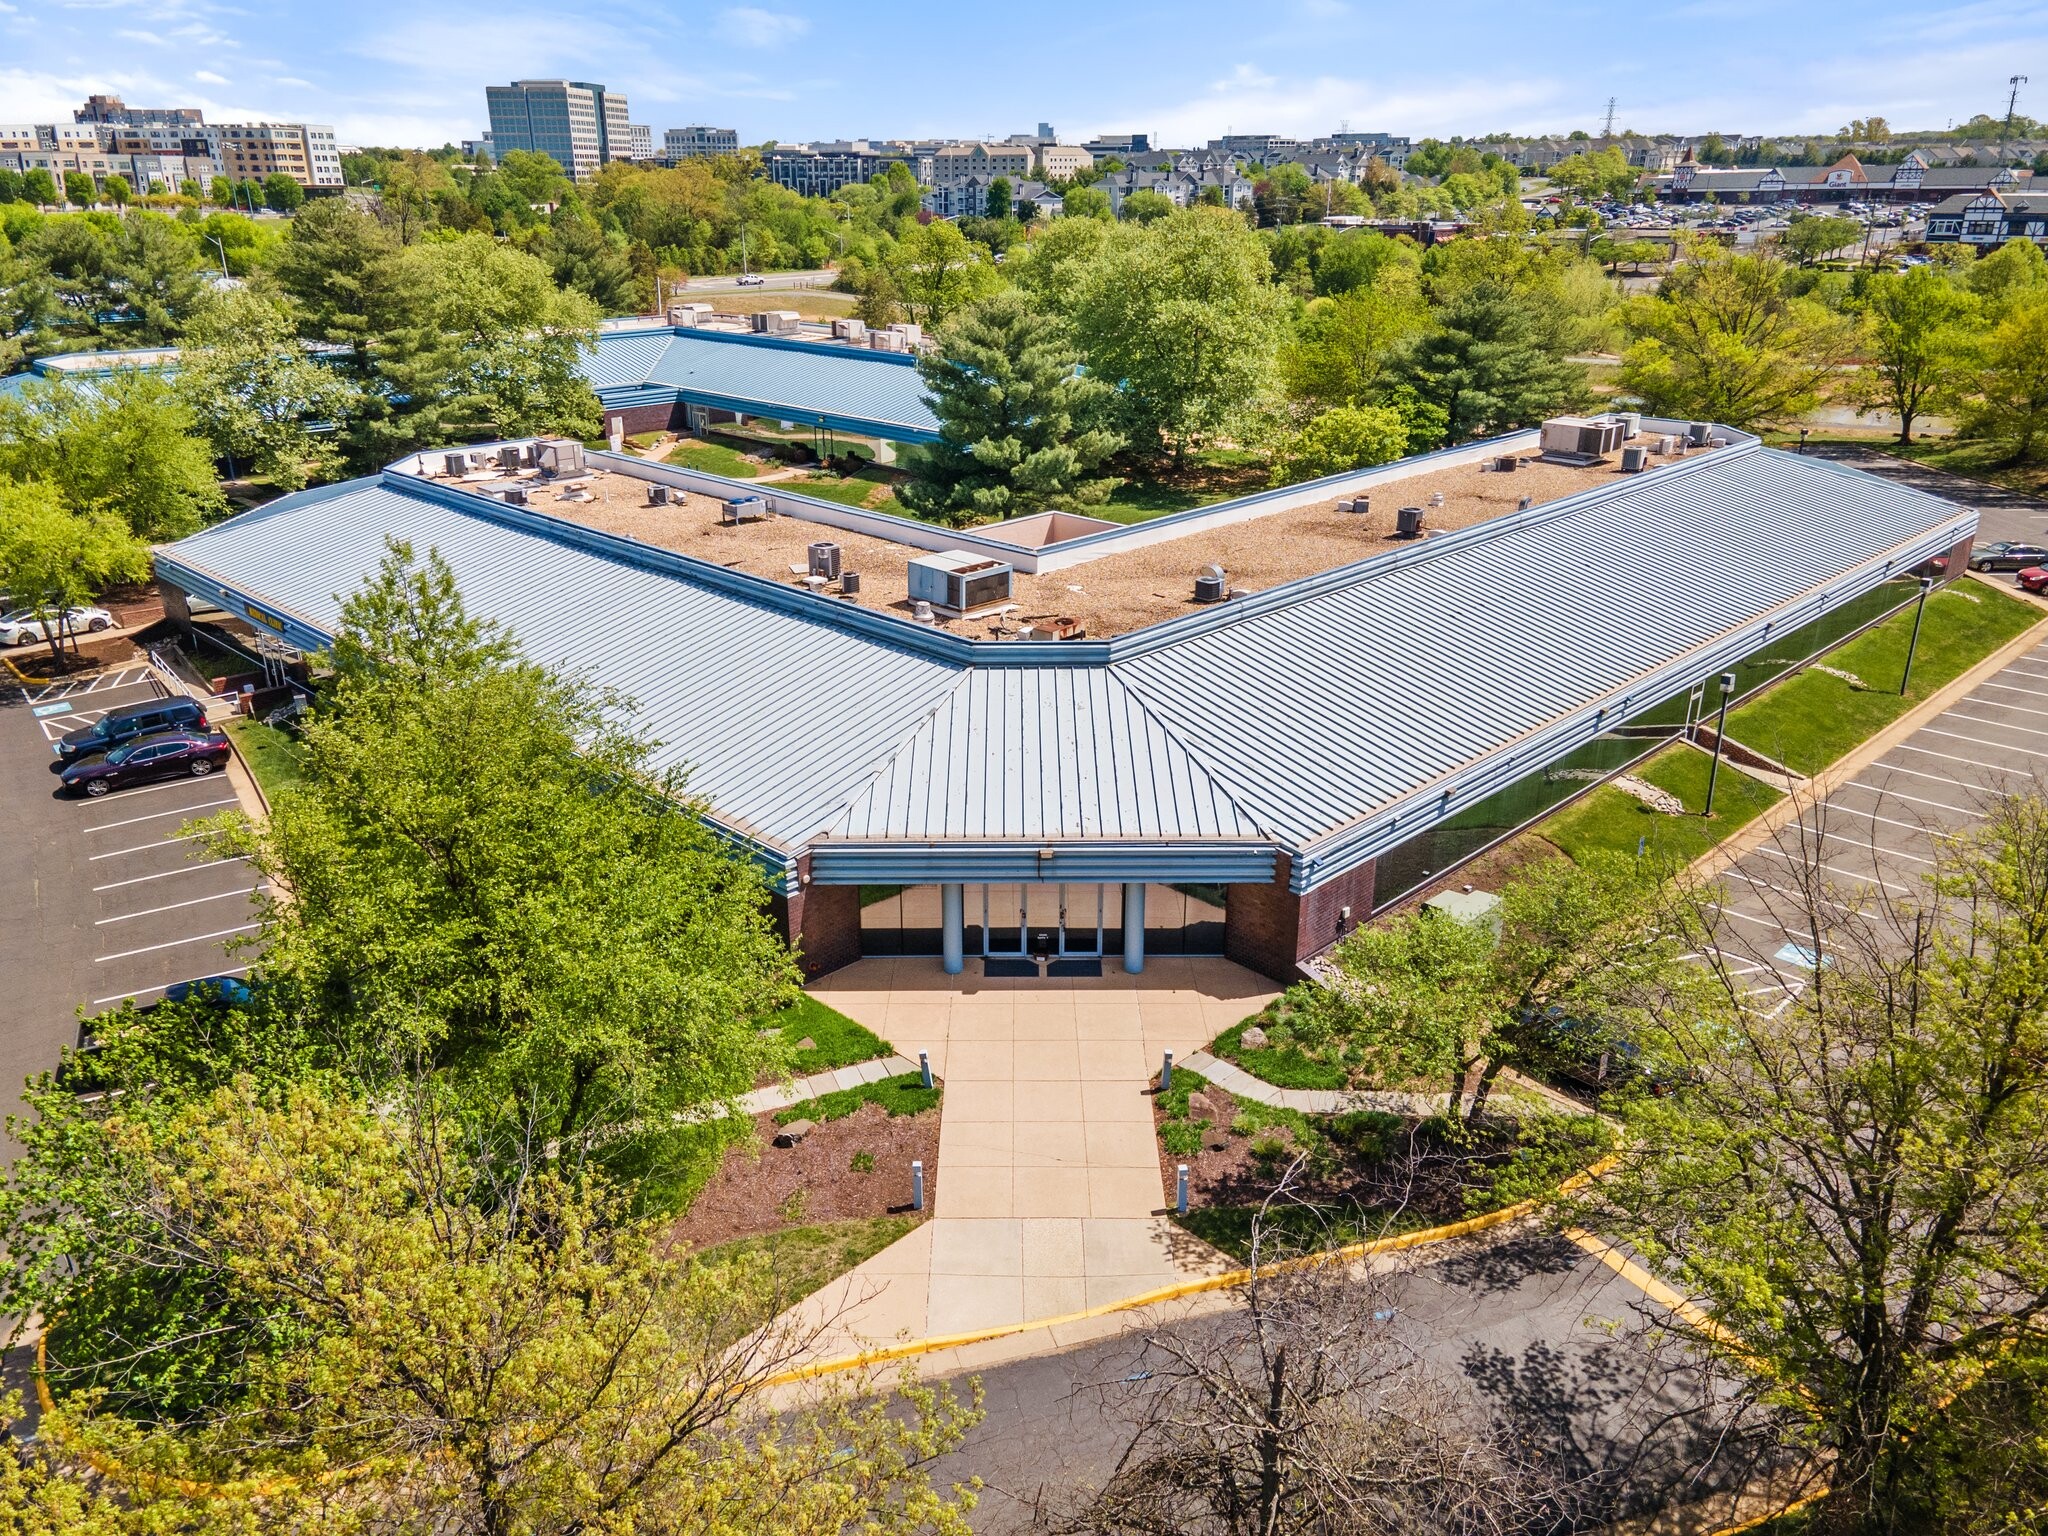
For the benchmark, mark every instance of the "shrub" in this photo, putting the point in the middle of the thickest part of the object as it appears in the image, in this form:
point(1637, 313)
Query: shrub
point(863, 1162)
point(1182, 1138)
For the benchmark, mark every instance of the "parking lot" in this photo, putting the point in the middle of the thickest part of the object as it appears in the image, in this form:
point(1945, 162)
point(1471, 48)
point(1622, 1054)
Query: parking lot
point(1879, 829)
point(105, 899)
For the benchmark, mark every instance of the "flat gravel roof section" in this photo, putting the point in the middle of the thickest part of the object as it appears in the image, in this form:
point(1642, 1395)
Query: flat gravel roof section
point(1333, 720)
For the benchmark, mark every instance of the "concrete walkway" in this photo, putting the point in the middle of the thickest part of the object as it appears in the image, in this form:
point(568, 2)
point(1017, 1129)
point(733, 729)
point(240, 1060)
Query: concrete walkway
point(818, 1084)
point(1048, 1197)
point(1240, 1084)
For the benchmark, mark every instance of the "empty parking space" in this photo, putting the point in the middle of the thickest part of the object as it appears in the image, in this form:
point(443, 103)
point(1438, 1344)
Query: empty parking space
point(105, 899)
point(1883, 829)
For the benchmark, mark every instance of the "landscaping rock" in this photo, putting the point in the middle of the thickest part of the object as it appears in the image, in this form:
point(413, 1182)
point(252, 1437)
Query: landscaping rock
point(1253, 1039)
point(1201, 1106)
point(794, 1132)
point(807, 1044)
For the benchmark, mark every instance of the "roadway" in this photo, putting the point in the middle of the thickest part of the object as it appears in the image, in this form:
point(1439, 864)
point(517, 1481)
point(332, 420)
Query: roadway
point(1535, 1333)
point(2001, 513)
point(100, 900)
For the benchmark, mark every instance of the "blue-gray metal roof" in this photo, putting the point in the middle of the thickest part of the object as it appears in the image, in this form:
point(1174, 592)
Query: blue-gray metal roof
point(1332, 721)
point(771, 376)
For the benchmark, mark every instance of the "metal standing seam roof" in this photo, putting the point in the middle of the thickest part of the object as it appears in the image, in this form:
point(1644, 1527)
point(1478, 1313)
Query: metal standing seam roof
point(1293, 727)
point(796, 381)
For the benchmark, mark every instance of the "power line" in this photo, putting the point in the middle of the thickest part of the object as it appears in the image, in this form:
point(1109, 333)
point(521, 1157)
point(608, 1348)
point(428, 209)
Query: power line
point(1608, 131)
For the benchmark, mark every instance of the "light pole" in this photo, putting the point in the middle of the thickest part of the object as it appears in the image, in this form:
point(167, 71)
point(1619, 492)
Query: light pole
point(215, 239)
point(1720, 729)
point(1913, 645)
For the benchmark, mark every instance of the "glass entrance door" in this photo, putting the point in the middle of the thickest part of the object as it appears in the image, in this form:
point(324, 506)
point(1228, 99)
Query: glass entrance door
point(1042, 917)
point(1002, 920)
point(1081, 920)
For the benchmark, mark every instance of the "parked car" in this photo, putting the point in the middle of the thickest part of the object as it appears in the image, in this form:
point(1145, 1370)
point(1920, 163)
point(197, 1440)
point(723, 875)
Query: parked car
point(2034, 578)
point(147, 758)
point(23, 627)
point(750, 281)
point(122, 725)
point(1999, 555)
point(230, 990)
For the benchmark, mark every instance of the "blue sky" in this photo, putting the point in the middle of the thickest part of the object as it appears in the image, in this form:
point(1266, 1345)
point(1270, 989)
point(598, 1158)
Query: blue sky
point(386, 72)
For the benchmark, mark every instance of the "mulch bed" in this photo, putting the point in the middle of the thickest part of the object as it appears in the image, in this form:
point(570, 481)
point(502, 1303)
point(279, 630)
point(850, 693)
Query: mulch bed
point(750, 1195)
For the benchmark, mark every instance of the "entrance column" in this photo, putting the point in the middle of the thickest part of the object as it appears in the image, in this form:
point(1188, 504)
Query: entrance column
point(952, 904)
point(1134, 927)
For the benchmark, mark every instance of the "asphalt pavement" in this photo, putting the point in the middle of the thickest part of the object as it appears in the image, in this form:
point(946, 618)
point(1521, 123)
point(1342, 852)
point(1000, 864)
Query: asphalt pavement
point(100, 900)
point(2001, 514)
point(1537, 1335)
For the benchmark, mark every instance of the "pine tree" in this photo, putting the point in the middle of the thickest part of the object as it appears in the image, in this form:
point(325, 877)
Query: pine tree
point(1021, 427)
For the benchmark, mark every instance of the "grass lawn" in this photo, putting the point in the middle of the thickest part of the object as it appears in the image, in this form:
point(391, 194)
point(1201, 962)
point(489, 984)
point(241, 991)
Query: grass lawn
point(1286, 1066)
point(1809, 720)
point(805, 1258)
point(272, 756)
point(839, 1041)
point(852, 490)
point(1217, 475)
point(1611, 821)
point(715, 459)
point(905, 1095)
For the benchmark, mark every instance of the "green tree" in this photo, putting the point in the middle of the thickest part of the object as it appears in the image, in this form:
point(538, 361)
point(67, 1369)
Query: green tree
point(1809, 238)
point(1721, 341)
point(118, 191)
point(52, 559)
point(154, 267)
point(583, 259)
point(428, 1339)
point(999, 198)
point(1343, 438)
point(1086, 203)
point(78, 189)
point(2014, 271)
point(1180, 315)
point(130, 445)
point(282, 193)
point(1021, 428)
point(2011, 404)
point(936, 270)
point(1919, 324)
point(1489, 367)
point(1604, 173)
point(1853, 1180)
point(259, 393)
point(38, 186)
point(488, 876)
point(1145, 207)
point(1343, 346)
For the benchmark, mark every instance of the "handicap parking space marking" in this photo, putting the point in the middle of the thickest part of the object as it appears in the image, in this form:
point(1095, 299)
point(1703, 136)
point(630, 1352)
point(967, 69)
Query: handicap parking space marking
point(59, 708)
point(197, 938)
point(1804, 957)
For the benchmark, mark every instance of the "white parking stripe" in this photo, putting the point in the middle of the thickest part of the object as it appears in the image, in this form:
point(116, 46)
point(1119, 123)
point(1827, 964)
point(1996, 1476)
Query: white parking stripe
point(2018, 709)
point(174, 837)
point(1761, 922)
point(1910, 826)
point(2003, 725)
point(1875, 850)
point(247, 890)
point(1899, 794)
point(1938, 778)
point(2032, 693)
point(151, 789)
point(1946, 757)
point(197, 938)
point(1834, 869)
point(115, 885)
point(108, 826)
point(122, 997)
point(1979, 741)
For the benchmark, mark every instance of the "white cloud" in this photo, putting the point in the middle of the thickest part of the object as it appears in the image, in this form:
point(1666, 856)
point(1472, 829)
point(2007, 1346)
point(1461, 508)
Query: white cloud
point(751, 27)
point(1250, 100)
point(208, 77)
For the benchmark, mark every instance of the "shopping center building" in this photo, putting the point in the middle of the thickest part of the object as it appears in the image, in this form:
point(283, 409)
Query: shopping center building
point(1240, 730)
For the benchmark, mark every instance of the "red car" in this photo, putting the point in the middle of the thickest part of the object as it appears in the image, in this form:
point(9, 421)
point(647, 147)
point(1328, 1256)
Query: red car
point(170, 755)
point(2034, 578)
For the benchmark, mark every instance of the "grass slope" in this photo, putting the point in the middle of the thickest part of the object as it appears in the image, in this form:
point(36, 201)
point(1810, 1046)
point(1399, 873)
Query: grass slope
point(805, 1258)
point(837, 1041)
point(272, 756)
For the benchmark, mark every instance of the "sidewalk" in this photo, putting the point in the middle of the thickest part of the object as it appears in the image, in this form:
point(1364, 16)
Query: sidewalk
point(1049, 1198)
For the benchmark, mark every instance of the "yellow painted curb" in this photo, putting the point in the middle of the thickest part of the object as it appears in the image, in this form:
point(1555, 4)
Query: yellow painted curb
point(1229, 1280)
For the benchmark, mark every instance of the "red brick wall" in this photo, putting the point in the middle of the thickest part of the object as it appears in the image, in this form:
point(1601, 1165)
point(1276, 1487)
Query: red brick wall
point(643, 418)
point(1271, 930)
point(821, 923)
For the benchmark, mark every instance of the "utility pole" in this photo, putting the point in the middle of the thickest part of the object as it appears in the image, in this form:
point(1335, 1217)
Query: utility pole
point(1608, 131)
point(2012, 101)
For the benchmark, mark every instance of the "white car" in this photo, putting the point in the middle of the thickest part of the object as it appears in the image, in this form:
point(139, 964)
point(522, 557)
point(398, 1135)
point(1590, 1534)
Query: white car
point(751, 282)
point(22, 627)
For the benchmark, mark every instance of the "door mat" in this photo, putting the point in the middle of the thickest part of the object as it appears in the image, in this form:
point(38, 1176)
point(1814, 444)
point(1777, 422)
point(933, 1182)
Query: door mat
point(1089, 967)
point(1009, 965)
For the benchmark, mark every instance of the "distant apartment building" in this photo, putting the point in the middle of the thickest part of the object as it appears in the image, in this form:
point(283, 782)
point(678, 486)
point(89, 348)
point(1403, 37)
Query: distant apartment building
point(697, 140)
point(639, 141)
point(144, 173)
point(580, 124)
point(819, 170)
point(1061, 162)
point(114, 112)
point(306, 152)
point(971, 161)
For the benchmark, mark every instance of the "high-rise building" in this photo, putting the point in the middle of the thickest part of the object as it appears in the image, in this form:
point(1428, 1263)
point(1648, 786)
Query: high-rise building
point(580, 124)
point(639, 142)
point(684, 143)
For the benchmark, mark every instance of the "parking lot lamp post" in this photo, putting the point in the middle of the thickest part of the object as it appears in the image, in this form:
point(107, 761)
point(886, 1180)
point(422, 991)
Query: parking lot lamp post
point(1720, 734)
point(1913, 645)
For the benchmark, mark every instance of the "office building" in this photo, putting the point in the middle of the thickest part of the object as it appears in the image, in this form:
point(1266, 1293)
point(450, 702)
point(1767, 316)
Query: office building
point(696, 140)
point(639, 141)
point(580, 124)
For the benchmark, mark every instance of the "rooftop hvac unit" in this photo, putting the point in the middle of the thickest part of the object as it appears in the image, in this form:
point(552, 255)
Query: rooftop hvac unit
point(561, 456)
point(1634, 460)
point(508, 456)
point(957, 582)
point(1506, 464)
point(776, 322)
point(1212, 584)
point(849, 583)
point(824, 557)
point(884, 341)
point(1408, 523)
point(738, 509)
point(1631, 425)
point(911, 332)
point(689, 316)
point(849, 330)
point(1667, 444)
point(657, 495)
point(515, 496)
point(1698, 432)
point(456, 464)
point(1581, 437)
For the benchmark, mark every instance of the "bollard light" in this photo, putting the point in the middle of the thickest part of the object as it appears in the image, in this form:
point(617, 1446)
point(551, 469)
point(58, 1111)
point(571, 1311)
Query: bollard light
point(917, 1184)
point(1166, 1073)
point(924, 1067)
point(1180, 1190)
